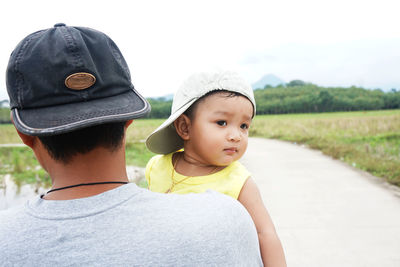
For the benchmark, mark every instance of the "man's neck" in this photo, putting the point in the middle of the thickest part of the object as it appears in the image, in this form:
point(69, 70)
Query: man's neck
point(99, 165)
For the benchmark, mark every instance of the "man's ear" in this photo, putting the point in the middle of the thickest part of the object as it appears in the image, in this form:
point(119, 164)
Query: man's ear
point(128, 123)
point(27, 139)
point(182, 125)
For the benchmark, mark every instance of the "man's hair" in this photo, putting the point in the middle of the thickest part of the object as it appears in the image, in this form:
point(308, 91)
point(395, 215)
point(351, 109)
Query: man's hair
point(64, 147)
point(192, 109)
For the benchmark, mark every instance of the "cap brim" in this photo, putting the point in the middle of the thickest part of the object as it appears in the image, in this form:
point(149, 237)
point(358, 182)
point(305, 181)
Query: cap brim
point(164, 139)
point(68, 117)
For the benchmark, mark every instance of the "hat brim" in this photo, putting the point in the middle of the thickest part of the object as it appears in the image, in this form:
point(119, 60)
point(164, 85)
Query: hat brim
point(69, 117)
point(164, 139)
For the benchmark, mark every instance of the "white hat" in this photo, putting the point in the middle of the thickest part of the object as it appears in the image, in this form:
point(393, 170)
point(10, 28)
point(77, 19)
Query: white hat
point(164, 139)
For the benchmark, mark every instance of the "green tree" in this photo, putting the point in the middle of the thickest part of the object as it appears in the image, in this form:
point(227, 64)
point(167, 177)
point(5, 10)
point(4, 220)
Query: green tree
point(295, 83)
point(325, 100)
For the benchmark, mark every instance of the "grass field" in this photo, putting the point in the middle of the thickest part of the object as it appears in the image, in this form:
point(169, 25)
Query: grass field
point(367, 140)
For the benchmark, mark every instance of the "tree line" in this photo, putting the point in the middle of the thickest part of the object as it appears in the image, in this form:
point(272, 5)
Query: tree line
point(309, 98)
point(295, 97)
point(300, 97)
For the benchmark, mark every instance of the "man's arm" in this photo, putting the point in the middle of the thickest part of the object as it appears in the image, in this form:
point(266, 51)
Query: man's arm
point(270, 245)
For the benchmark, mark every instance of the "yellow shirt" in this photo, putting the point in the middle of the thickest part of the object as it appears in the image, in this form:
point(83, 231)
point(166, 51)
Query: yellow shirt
point(228, 181)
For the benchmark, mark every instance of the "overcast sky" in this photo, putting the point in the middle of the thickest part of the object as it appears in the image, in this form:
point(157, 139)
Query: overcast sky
point(330, 43)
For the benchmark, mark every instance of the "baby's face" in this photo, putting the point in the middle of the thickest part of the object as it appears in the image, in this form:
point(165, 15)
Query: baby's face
point(220, 128)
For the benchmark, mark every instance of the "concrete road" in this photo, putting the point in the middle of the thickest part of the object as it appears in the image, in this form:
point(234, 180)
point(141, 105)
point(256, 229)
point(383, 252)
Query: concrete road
point(326, 212)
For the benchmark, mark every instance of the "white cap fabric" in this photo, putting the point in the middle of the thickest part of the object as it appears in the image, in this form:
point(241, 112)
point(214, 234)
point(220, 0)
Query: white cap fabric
point(164, 139)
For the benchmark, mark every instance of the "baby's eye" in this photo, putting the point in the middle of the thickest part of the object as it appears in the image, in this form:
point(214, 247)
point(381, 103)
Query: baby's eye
point(221, 123)
point(244, 126)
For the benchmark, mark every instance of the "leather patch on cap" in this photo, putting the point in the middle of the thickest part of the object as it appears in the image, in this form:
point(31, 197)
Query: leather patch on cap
point(80, 81)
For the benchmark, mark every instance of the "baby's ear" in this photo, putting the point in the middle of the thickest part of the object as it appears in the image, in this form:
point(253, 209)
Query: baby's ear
point(182, 125)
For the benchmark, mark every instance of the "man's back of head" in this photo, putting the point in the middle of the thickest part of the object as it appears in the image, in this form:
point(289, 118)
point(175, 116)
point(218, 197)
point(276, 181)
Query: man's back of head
point(70, 94)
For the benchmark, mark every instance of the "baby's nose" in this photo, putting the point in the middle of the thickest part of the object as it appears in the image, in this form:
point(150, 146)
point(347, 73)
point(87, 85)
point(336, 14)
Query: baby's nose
point(234, 135)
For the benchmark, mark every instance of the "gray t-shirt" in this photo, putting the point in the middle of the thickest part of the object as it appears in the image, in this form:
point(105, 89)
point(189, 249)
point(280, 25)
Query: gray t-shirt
point(130, 226)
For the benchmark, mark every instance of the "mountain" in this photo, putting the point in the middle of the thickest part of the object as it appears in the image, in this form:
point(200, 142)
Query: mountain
point(268, 79)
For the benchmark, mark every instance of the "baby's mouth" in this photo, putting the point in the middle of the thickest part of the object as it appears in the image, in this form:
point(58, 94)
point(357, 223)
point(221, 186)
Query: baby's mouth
point(231, 150)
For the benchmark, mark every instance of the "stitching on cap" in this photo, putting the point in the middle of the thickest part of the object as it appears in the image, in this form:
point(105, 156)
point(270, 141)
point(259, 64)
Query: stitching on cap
point(20, 78)
point(72, 47)
point(117, 55)
point(20, 81)
point(91, 114)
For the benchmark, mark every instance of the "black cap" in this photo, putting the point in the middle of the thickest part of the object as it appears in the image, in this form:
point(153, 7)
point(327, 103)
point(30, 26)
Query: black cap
point(66, 78)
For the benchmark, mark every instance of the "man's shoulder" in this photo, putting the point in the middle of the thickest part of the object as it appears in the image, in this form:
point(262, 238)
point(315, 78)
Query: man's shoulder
point(223, 231)
point(12, 220)
point(11, 214)
point(211, 204)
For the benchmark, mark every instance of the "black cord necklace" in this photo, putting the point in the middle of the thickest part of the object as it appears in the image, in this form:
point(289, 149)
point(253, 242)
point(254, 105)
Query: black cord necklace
point(76, 185)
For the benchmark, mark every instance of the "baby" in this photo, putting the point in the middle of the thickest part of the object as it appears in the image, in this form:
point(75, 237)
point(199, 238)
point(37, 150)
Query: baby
point(210, 119)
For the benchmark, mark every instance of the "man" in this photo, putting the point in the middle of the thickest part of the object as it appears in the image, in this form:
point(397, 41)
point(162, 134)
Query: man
point(71, 100)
